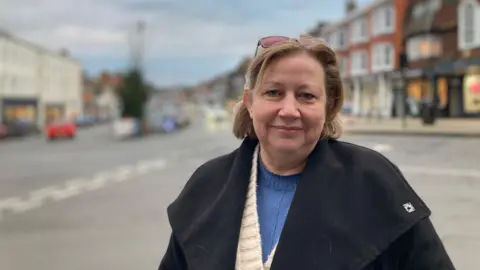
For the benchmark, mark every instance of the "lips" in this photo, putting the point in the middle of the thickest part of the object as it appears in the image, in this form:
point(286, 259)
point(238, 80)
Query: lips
point(288, 127)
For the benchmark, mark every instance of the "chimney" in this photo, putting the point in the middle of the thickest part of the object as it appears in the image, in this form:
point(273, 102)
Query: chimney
point(350, 6)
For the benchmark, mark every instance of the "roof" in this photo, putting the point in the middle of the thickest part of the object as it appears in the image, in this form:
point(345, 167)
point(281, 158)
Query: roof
point(431, 20)
point(63, 53)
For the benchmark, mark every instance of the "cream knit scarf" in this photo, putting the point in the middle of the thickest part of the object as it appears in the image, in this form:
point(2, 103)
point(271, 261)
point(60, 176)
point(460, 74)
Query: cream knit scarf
point(249, 250)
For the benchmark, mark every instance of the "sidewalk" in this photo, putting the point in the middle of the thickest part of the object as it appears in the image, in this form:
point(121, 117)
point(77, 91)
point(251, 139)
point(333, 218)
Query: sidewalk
point(413, 127)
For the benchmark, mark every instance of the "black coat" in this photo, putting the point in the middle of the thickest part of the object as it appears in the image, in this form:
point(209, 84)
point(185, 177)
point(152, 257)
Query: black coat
point(348, 213)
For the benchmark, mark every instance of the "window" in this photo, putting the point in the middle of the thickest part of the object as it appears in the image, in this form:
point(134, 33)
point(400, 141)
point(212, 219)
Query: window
point(387, 55)
point(337, 39)
point(383, 55)
point(389, 17)
point(426, 8)
point(359, 31)
point(469, 20)
point(359, 63)
point(363, 61)
point(341, 39)
point(363, 28)
point(383, 21)
point(423, 47)
point(468, 25)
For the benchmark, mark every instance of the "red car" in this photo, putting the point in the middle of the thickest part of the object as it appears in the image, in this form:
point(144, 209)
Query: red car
point(61, 129)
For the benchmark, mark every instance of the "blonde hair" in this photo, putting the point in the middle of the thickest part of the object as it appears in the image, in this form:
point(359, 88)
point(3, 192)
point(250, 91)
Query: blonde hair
point(332, 129)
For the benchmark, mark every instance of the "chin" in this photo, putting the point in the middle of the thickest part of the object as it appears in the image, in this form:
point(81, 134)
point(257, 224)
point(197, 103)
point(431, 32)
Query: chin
point(287, 145)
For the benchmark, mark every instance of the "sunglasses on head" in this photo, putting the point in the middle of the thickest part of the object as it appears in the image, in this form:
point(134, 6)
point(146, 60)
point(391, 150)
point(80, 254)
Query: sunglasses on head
point(267, 42)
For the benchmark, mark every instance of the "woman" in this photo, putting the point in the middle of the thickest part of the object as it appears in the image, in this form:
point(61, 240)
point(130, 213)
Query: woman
point(348, 207)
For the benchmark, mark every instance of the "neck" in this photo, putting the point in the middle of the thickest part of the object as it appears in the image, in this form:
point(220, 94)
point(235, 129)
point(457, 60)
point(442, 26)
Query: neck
point(282, 163)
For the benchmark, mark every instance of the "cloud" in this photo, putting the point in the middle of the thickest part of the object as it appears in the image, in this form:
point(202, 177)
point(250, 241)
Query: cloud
point(185, 41)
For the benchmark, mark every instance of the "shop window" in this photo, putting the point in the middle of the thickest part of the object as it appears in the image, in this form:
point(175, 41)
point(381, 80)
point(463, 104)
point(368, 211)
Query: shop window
point(442, 89)
point(20, 112)
point(424, 47)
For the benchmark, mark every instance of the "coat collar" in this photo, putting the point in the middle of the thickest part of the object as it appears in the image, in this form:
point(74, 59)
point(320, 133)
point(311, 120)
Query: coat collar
point(347, 209)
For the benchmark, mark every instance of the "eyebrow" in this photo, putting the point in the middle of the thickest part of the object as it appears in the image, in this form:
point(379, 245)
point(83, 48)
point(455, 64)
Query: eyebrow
point(272, 82)
point(276, 83)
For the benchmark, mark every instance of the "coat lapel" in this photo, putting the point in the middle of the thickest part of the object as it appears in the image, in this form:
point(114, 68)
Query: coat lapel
point(210, 238)
point(342, 217)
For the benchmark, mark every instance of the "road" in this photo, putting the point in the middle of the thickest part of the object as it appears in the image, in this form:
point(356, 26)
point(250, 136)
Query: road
point(96, 203)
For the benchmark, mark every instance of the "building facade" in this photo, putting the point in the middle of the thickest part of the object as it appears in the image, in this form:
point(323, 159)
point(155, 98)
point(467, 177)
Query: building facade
point(469, 46)
point(37, 84)
point(430, 38)
point(443, 53)
point(367, 44)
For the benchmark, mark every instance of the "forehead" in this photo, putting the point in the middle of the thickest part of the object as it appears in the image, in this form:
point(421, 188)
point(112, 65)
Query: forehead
point(296, 67)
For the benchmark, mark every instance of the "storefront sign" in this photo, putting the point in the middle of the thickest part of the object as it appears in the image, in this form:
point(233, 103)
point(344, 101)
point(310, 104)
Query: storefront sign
point(471, 92)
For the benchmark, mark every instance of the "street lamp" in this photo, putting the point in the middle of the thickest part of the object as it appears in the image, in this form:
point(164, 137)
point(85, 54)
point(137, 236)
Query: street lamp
point(403, 63)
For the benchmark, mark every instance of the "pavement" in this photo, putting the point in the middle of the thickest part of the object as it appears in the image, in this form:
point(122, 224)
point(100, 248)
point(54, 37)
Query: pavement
point(97, 203)
point(413, 127)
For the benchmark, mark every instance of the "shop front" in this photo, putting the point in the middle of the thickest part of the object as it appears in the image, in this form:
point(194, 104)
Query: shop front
point(457, 86)
point(471, 92)
point(54, 112)
point(441, 85)
point(19, 109)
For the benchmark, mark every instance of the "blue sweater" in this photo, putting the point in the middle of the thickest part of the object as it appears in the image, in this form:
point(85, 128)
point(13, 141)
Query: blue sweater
point(274, 196)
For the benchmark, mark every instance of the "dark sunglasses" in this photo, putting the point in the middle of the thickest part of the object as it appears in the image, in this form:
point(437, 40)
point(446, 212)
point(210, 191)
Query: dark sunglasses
point(267, 42)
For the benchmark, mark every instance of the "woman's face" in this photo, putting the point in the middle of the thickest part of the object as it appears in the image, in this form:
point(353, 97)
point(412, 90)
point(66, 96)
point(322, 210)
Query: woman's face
point(288, 107)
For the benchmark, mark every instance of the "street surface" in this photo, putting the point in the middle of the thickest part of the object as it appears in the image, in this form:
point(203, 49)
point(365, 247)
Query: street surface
point(97, 203)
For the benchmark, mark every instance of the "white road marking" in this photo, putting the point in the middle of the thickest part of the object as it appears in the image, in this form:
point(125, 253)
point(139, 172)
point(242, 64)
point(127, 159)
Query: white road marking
point(75, 187)
point(72, 188)
point(470, 173)
point(123, 173)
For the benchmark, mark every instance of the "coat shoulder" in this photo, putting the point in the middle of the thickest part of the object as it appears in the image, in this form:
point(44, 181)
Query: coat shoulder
point(377, 169)
point(201, 190)
point(384, 195)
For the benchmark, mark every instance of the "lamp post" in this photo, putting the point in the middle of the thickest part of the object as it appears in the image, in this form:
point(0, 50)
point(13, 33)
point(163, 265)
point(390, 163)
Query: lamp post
point(404, 86)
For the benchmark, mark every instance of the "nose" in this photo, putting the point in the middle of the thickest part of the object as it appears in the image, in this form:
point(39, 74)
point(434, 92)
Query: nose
point(289, 107)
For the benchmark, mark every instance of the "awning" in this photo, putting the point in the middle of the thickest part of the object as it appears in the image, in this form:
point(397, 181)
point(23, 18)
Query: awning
point(456, 66)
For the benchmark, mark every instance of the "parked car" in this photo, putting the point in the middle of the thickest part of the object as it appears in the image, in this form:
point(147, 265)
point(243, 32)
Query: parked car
point(182, 118)
point(127, 127)
point(167, 118)
point(85, 121)
point(61, 129)
point(3, 131)
point(18, 128)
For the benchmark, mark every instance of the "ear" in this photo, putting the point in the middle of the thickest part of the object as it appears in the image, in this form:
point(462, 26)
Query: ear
point(247, 100)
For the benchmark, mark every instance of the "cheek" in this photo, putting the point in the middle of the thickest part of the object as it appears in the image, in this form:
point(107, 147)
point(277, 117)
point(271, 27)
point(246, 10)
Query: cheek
point(263, 112)
point(314, 117)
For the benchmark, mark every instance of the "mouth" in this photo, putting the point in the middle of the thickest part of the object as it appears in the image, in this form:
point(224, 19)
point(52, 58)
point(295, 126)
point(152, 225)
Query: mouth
point(288, 128)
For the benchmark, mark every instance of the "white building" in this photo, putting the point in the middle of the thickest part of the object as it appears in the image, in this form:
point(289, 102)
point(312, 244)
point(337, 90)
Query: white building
point(37, 84)
point(364, 41)
point(109, 103)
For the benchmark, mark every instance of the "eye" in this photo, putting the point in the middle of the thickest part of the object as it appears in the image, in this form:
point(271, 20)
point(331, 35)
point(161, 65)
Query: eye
point(272, 93)
point(307, 96)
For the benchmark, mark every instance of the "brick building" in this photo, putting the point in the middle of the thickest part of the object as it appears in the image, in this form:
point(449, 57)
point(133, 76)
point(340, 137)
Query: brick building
point(367, 43)
point(442, 44)
point(469, 46)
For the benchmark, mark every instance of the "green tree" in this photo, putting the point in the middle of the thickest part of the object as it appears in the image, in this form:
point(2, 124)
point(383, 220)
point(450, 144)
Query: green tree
point(133, 93)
